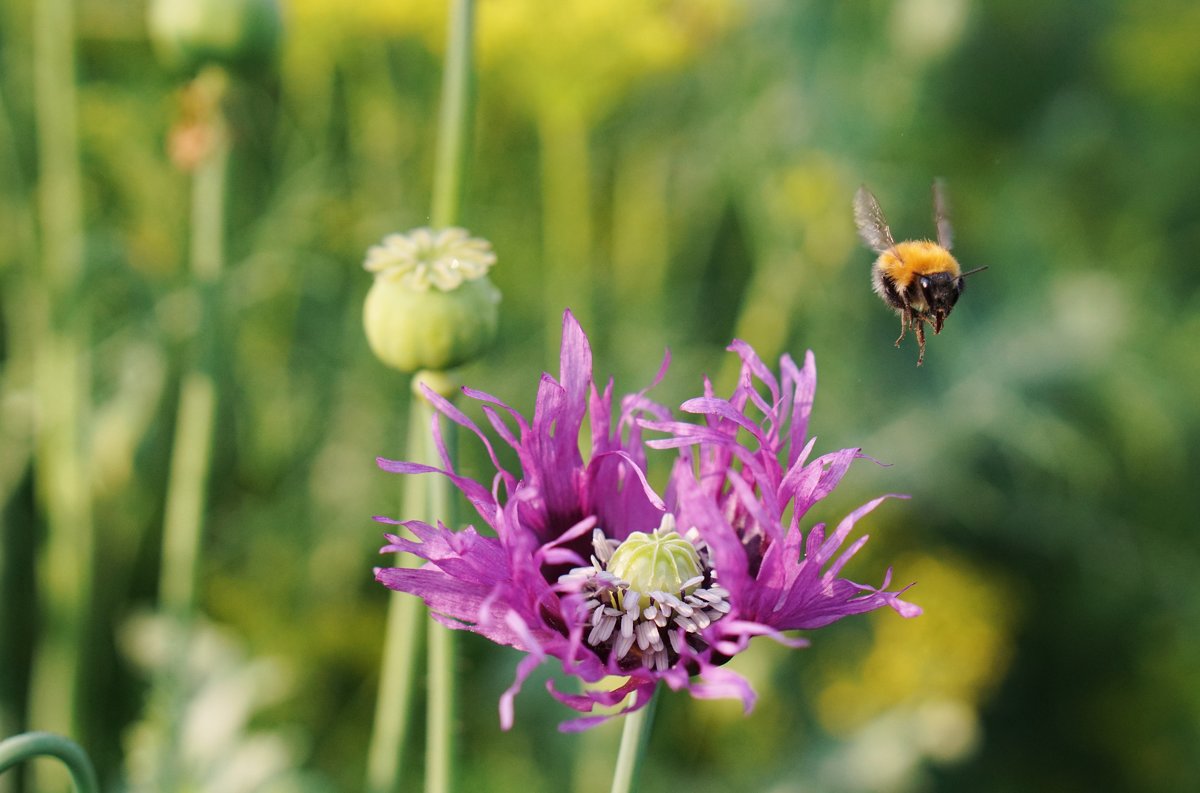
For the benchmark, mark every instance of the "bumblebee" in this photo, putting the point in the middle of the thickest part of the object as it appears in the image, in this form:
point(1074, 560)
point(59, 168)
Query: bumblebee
point(920, 279)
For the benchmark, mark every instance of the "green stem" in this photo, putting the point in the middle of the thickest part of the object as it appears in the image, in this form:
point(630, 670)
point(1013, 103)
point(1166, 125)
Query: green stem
point(448, 179)
point(634, 738)
point(454, 119)
point(62, 378)
point(439, 747)
point(402, 645)
point(20, 748)
point(191, 451)
point(60, 192)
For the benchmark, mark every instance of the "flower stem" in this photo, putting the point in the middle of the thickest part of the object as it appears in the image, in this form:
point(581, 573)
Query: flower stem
point(191, 451)
point(634, 738)
point(440, 745)
point(455, 116)
point(62, 379)
point(453, 123)
point(28, 745)
point(402, 646)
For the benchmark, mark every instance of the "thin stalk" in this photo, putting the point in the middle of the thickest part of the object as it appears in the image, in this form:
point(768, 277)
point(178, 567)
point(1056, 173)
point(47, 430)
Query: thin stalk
point(440, 744)
point(634, 737)
point(448, 179)
point(454, 119)
point(191, 451)
point(17, 224)
point(402, 645)
point(26, 746)
point(61, 377)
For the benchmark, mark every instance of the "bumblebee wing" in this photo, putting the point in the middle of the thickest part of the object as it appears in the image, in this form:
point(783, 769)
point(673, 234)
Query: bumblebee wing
point(872, 226)
point(941, 215)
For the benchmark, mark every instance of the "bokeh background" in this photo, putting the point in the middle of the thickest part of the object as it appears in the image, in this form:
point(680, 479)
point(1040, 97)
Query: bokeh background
point(680, 174)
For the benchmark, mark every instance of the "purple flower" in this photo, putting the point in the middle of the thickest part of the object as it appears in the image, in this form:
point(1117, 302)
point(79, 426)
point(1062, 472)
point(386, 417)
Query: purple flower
point(590, 566)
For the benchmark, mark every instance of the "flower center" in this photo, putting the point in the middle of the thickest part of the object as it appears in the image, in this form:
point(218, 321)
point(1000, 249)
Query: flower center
point(661, 561)
point(648, 595)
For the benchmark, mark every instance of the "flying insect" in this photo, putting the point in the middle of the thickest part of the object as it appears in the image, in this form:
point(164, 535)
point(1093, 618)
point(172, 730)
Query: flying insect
point(920, 279)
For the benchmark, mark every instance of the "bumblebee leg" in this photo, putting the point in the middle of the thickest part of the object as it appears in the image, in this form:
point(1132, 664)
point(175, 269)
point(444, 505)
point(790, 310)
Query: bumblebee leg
point(920, 341)
point(905, 321)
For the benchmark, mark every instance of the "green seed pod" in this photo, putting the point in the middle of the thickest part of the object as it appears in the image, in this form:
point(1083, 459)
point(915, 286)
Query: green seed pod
point(432, 305)
point(410, 329)
point(188, 34)
point(662, 561)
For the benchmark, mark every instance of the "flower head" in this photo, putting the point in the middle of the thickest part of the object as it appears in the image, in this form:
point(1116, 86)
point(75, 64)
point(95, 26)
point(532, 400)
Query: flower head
point(424, 258)
point(589, 565)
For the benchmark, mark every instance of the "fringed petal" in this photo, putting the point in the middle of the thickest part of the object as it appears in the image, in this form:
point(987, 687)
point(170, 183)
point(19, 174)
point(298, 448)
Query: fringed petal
point(805, 385)
point(641, 689)
point(621, 495)
point(480, 497)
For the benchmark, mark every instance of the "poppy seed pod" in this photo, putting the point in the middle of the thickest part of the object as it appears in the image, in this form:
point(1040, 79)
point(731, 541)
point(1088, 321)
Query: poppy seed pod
point(432, 305)
point(189, 34)
point(410, 329)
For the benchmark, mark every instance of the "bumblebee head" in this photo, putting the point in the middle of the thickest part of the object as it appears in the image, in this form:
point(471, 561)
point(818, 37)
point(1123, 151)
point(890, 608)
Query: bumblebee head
point(940, 291)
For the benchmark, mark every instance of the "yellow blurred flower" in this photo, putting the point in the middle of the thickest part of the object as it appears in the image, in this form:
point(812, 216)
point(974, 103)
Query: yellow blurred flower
point(955, 653)
point(577, 57)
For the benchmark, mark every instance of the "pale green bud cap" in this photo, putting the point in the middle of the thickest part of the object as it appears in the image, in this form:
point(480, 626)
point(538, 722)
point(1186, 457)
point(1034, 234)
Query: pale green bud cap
point(190, 33)
point(432, 305)
point(662, 561)
point(424, 259)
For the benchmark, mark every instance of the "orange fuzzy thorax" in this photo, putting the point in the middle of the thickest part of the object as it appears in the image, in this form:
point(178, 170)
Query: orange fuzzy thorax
point(907, 260)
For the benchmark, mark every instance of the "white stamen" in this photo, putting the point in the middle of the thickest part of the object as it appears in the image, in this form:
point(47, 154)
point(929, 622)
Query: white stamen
point(601, 546)
point(685, 623)
point(623, 645)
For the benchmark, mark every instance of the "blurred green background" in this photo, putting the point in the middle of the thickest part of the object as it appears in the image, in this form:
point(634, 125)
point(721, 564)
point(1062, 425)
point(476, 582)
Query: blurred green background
point(679, 173)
